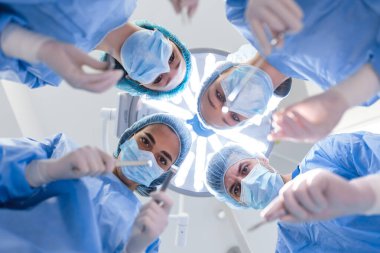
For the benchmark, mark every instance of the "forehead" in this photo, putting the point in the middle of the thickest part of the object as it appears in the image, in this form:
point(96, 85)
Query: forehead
point(233, 170)
point(159, 129)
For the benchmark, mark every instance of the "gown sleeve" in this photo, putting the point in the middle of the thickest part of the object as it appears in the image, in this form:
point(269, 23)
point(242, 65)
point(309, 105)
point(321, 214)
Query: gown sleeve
point(15, 155)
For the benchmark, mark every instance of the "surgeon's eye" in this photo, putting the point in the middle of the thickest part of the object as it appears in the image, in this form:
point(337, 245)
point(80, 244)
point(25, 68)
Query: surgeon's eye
point(235, 117)
point(145, 142)
point(162, 160)
point(171, 59)
point(220, 96)
point(158, 79)
point(245, 170)
point(236, 190)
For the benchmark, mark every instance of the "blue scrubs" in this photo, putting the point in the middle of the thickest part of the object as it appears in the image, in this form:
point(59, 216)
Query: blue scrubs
point(83, 23)
point(338, 37)
point(350, 156)
point(93, 214)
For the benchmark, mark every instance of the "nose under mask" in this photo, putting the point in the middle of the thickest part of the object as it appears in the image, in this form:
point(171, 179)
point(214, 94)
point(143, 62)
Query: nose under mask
point(140, 174)
point(145, 55)
point(260, 187)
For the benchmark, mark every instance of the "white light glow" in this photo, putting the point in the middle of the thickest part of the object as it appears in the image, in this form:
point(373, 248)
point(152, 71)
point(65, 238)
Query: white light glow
point(225, 109)
point(200, 163)
point(169, 107)
point(195, 80)
point(190, 100)
point(184, 171)
point(215, 142)
point(210, 62)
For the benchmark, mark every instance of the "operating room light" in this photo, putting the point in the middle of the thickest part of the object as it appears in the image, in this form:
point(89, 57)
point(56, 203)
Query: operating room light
point(189, 179)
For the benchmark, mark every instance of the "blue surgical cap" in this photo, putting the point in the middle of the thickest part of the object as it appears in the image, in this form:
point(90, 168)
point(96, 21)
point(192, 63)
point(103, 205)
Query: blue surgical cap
point(217, 168)
point(135, 89)
point(176, 125)
point(207, 83)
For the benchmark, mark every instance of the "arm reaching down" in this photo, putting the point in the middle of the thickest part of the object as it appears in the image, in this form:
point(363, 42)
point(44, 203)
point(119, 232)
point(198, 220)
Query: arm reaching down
point(66, 60)
point(315, 117)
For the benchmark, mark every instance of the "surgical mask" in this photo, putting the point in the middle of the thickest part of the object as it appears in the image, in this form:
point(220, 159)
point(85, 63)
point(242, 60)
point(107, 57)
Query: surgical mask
point(145, 55)
point(140, 174)
point(251, 89)
point(178, 78)
point(260, 187)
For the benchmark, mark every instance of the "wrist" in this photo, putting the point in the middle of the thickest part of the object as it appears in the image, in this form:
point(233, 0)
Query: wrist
point(360, 87)
point(364, 196)
point(19, 42)
point(45, 50)
point(36, 173)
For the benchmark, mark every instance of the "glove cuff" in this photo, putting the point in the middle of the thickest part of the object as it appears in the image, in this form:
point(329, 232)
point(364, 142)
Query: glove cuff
point(18, 42)
point(36, 173)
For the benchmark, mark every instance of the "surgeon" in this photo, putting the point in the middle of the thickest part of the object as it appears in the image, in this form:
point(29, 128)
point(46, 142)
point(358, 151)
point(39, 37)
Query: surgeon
point(246, 180)
point(333, 44)
point(46, 210)
point(155, 62)
point(253, 86)
point(42, 43)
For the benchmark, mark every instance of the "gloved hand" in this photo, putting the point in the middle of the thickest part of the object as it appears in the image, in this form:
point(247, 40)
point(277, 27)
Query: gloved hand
point(310, 119)
point(150, 223)
point(315, 117)
point(319, 195)
point(280, 16)
point(85, 161)
point(191, 6)
point(68, 61)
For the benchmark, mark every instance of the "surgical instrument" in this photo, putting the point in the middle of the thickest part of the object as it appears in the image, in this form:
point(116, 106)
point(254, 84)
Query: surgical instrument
point(133, 163)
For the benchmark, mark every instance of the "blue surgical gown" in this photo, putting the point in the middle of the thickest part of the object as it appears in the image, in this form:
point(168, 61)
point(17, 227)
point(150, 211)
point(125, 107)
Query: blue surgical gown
point(83, 23)
point(338, 37)
point(350, 156)
point(93, 214)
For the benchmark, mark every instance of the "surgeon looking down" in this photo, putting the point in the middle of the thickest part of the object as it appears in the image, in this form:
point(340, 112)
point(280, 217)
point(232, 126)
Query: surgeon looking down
point(236, 92)
point(246, 180)
point(40, 43)
point(103, 207)
point(155, 62)
point(337, 49)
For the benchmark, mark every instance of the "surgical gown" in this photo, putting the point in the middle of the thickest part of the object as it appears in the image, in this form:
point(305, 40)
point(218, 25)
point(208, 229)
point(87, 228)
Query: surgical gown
point(83, 23)
point(338, 37)
point(93, 214)
point(350, 156)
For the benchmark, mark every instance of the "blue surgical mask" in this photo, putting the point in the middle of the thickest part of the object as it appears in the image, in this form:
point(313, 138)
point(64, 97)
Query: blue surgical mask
point(145, 55)
point(260, 187)
point(140, 174)
point(254, 89)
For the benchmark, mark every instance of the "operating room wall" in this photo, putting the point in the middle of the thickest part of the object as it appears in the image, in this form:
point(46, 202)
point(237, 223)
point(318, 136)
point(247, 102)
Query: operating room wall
point(8, 123)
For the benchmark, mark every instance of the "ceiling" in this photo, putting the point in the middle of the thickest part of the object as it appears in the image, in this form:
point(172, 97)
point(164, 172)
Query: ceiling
point(43, 112)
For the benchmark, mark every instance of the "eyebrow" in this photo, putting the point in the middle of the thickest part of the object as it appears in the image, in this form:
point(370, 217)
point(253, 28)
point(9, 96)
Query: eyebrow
point(209, 99)
point(150, 137)
point(167, 155)
point(225, 121)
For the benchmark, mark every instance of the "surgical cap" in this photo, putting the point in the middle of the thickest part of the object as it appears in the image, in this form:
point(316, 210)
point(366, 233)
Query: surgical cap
point(207, 83)
point(135, 89)
point(176, 125)
point(217, 168)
